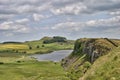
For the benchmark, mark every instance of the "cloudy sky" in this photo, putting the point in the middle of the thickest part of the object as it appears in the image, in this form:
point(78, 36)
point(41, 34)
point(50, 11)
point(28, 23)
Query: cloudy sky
point(22, 20)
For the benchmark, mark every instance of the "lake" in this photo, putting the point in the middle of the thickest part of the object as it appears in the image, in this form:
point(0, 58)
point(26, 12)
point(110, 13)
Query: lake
point(55, 56)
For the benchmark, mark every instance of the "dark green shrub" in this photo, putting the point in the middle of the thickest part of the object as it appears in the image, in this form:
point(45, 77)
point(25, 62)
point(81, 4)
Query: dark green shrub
point(30, 47)
point(24, 52)
point(43, 45)
point(38, 46)
point(18, 61)
point(16, 51)
point(55, 39)
point(116, 57)
point(1, 62)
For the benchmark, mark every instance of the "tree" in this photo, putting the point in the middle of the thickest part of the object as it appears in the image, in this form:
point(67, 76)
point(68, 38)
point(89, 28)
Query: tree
point(16, 51)
point(43, 45)
point(30, 47)
point(38, 46)
point(59, 39)
point(55, 39)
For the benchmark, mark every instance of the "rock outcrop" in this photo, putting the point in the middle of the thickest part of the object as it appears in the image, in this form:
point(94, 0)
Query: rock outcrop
point(94, 48)
point(86, 50)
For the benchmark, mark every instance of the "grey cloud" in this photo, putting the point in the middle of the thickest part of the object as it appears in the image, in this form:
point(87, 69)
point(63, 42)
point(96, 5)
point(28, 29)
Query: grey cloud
point(108, 7)
point(27, 6)
point(102, 5)
point(6, 11)
point(23, 6)
point(92, 24)
point(17, 8)
point(115, 13)
point(22, 21)
point(39, 17)
point(90, 29)
point(92, 6)
point(71, 9)
point(15, 26)
point(59, 3)
point(4, 17)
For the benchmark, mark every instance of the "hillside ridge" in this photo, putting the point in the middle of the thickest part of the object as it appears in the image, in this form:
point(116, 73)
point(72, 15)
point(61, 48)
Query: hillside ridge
point(105, 68)
point(86, 52)
point(44, 45)
point(111, 42)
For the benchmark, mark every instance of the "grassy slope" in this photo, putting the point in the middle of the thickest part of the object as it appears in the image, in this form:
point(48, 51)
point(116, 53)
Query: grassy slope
point(106, 67)
point(77, 64)
point(43, 48)
point(49, 47)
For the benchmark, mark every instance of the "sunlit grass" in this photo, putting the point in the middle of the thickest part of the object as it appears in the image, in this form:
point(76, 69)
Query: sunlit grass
point(36, 47)
point(27, 69)
point(13, 46)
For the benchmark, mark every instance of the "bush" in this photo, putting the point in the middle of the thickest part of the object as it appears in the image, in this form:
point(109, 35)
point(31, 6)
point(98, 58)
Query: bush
point(1, 62)
point(43, 45)
point(48, 41)
point(55, 39)
point(30, 47)
point(19, 61)
point(87, 65)
point(116, 57)
point(16, 51)
point(25, 52)
point(59, 39)
point(38, 46)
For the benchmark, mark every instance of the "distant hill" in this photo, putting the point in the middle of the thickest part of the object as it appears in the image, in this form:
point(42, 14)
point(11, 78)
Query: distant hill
point(44, 45)
point(46, 38)
point(11, 42)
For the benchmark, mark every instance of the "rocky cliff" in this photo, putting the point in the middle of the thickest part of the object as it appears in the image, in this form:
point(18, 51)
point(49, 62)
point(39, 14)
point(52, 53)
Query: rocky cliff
point(93, 48)
point(86, 51)
point(106, 67)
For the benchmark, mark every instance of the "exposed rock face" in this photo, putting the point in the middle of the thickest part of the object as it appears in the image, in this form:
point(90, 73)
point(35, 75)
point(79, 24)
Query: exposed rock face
point(90, 47)
point(86, 51)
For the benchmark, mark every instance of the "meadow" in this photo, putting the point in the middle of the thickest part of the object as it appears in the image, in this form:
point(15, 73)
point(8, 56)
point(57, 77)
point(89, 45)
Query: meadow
point(35, 47)
point(16, 65)
point(25, 68)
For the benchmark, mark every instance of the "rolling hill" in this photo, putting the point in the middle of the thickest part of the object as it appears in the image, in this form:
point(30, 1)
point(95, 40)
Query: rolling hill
point(37, 46)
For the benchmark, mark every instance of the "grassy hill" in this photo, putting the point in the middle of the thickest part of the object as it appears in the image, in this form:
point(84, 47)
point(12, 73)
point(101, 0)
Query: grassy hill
point(86, 52)
point(91, 59)
point(105, 68)
point(36, 46)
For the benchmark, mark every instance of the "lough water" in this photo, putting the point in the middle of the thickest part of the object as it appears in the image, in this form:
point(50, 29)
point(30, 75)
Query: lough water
point(55, 56)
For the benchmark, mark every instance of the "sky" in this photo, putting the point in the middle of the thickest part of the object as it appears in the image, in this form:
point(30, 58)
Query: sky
point(24, 20)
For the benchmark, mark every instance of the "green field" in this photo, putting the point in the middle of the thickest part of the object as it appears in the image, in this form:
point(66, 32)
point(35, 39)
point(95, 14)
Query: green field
point(15, 65)
point(23, 68)
point(35, 47)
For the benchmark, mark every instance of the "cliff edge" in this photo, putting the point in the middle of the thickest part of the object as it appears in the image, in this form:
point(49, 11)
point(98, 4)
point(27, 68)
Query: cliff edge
point(86, 52)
